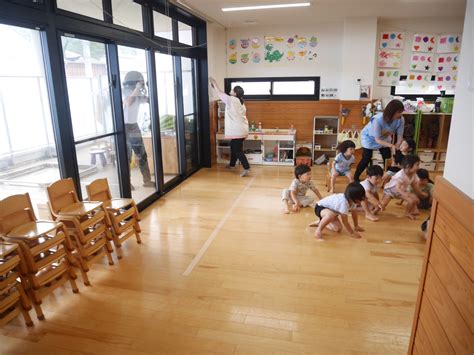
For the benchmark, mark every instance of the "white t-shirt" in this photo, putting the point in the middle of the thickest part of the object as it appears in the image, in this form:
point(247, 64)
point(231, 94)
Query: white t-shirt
point(367, 185)
point(402, 178)
point(336, 203)
point(236, 124)
point(300, 188)
point(130, 112)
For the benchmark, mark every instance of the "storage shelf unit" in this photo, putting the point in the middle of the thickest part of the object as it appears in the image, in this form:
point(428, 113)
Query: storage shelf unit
point(325, 130)
point(261, 146)
point(431, 135)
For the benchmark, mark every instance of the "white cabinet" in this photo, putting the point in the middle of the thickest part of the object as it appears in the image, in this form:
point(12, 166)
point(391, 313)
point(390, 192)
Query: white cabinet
point(268, 147)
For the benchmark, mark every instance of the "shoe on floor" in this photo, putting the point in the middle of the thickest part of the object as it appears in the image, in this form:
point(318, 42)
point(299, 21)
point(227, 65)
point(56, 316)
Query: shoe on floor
point(229, 166)
point(244, 173)
point(149, 184)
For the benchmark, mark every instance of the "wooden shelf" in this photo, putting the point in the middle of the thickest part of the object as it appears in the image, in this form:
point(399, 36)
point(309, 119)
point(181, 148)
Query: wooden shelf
point(325, 150)
point(325, 134)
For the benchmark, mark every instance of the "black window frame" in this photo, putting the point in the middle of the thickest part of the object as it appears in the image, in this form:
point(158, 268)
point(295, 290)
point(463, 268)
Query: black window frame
point(415, 96)
point(272, 97)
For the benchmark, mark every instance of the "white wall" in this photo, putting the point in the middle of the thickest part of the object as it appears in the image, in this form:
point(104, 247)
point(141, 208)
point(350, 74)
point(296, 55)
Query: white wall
point(327, 64)
point(216, 57)
point(410, 27)
point(357, 62)
point(460, 155)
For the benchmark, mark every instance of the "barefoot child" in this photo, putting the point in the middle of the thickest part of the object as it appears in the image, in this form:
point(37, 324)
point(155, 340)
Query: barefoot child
point(426, 186)
point(296, 193)
point(342, 162)
point(329, 208)
point(408, 146)
point(372, 204)
point(398, 186)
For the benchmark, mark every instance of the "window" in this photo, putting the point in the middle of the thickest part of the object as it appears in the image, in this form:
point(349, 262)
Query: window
point(185, 33)
point(128, 14)
point(190, 121)
point(293, 87)
point(90, 8)
point(297, 88)
point(28, 159)
point(90, 105)
point(165, 77)
point(254, 88)
point(162, 25)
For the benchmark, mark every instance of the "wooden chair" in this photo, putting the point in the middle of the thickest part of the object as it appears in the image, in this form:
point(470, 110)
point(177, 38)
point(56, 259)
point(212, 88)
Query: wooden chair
point(44, 248)
point(330, 166)
point(122, 213)
point(85, 222)
point(13, 299)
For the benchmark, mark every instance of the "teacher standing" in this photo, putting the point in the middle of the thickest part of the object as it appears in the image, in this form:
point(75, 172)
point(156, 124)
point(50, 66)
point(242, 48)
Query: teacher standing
point(378, 135)
point(236, 126)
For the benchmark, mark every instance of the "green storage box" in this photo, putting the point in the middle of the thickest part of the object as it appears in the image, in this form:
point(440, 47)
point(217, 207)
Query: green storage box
point(447, 104)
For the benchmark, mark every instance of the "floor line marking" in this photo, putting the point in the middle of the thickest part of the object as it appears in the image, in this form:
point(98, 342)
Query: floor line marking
point(216, 231)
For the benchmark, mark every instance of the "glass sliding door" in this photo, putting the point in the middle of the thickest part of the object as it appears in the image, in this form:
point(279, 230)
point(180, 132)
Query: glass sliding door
point(28, 158)
point(136, 112)
point(91, 113)
point(190, 114)
point(165, 77)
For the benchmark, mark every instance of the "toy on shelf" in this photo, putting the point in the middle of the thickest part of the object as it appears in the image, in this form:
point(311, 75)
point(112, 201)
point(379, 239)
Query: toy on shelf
point(344, 114)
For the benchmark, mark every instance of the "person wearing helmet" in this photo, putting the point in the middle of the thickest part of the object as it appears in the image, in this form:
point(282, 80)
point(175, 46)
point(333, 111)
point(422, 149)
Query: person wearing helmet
point(134, 94)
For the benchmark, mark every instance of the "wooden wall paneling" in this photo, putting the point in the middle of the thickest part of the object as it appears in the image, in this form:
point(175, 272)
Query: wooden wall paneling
point(456, 329)
point(444, 312)
point(423, 344)
point(452, 276)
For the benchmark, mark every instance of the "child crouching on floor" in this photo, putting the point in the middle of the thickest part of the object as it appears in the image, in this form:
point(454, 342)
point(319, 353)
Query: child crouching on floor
point(426, 186)
point(372, 204)
point(329, 208)
point(400, 184)
point(342, 162)
point(296, 193)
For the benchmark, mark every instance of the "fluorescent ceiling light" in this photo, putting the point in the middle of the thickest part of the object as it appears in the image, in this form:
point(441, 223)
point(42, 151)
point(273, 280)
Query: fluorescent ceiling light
point(262, 7)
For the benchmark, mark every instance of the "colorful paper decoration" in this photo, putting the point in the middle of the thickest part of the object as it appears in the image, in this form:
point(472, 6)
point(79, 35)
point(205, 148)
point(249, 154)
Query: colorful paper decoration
point(244, 58)
point(424, 43)
point(302, 55)
point(449, 43)
point(233, 58)
point(388, 77)
point(273, 49)
point(244, 43)
point(392, 40)
point(290, 56)
point(313, 41)
point(312, 55)
point(301, 41)
point(447, 80)
point(290, 43)
point(255, 43)
point(447, 62)
point(422, 62)
point(232, 43)
point(389, 58)
point(420, 79)
point(256, 57)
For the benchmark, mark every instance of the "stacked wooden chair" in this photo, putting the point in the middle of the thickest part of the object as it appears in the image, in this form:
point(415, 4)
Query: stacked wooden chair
point(122, 213)
point(86, 223)
point(44, 247)
point(13, 299)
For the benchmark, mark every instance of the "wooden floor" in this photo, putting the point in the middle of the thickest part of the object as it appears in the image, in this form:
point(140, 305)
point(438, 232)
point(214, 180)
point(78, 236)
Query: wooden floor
point(264, 285)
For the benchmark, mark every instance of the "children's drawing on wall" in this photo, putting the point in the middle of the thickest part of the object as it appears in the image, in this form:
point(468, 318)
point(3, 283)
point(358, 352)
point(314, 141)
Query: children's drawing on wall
point(290, 43)
point(447, 62)
point(233, 58)
point(290, 56)
point(419, 79)
point(245, 42)
point(244, 57)
point(392, 40)
point(449, 43)
point(313, 41)
point(302, 55)
point(301, 40)
point(312, 55)
point(424, 43)
point(388, 77)
point(256, 57)
point(232, 43)
point(389, 58)
point(422, 62)
point(272, 53)
point(256, 43)
point(446, 80)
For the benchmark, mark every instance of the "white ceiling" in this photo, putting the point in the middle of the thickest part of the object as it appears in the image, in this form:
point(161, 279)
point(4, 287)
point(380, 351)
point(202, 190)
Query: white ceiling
point(323, 10)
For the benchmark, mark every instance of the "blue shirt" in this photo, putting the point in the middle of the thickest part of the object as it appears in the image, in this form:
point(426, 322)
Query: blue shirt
point(342, 164)
point(377, 127)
